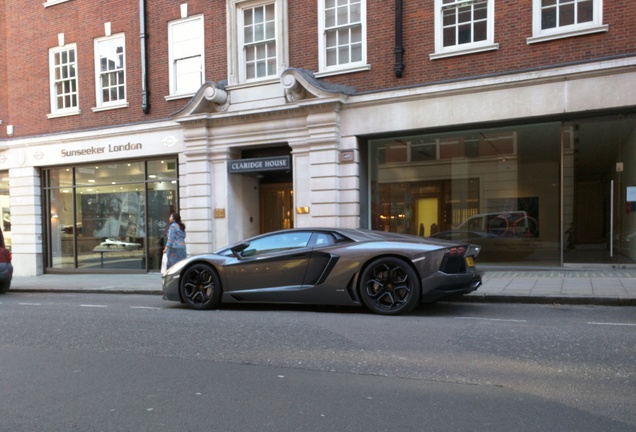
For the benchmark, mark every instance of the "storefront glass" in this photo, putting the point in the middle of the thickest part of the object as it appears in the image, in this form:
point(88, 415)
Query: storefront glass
point(109, 216)
point(496, 187)
point(549, 194)
point(5, 208)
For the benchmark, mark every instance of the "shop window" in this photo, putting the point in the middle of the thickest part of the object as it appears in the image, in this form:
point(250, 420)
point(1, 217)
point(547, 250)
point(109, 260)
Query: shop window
point(497, 188)
point(109, 216)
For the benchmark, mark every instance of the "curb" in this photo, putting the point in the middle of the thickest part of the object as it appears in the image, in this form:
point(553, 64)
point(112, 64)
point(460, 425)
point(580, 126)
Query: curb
point(596, 301)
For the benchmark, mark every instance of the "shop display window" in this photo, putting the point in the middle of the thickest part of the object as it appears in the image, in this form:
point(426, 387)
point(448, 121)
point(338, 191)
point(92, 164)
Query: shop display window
point(109, 216)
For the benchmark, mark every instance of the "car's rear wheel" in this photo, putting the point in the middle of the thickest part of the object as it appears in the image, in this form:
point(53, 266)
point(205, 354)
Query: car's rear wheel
point(4, 287)
point(389, 286)
point(200, 287)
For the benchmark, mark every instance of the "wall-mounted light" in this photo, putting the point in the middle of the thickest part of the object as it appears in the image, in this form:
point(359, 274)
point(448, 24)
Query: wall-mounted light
point(9, 130)
point(302, 210)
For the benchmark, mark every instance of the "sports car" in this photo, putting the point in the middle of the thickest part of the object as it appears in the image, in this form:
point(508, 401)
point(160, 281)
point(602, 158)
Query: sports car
point(388, 273)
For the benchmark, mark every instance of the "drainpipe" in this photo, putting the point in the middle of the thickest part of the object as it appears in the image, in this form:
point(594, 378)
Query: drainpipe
point(399, 49)
point(145, 105)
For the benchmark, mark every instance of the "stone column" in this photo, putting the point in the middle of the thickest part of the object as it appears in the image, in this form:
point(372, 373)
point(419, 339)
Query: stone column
point(26, 221)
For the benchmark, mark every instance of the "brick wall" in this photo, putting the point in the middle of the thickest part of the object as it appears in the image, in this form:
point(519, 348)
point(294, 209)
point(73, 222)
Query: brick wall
point(29, 30)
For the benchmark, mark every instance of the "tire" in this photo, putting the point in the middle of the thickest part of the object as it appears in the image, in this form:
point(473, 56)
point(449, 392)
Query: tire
point(200, 287)
point(390, 286)
point(4, 287)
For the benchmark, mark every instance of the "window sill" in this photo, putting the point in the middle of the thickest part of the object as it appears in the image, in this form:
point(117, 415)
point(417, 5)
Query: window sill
point(561, 34)
point(254, 83)
point(63, 114)
point(50, 3)
point(110, 107)
point(179, 96)
point(464, 51)
point(343, 70)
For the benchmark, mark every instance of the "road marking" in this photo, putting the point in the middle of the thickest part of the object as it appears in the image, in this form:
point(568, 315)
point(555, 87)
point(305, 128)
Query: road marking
point(93, 306)
point(30, 304)
point(490, 319)
point(612, 324)
point(145, 307)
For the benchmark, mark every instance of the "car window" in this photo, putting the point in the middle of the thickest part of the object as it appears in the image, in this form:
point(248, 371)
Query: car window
point(324, 239)
point(278, 242)
point(474, 223)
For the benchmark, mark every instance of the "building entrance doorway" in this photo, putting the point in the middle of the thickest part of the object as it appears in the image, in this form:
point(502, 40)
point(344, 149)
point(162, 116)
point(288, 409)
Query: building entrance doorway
point(276, 203)
point(599, 159)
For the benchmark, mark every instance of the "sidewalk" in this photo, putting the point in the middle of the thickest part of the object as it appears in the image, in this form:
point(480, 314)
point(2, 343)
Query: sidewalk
point(602, 287)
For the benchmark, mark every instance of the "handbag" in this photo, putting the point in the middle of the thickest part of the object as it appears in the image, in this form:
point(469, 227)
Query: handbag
point(164, 263)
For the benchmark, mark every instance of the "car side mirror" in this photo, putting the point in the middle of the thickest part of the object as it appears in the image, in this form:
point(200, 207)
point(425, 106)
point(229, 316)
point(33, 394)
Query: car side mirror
point(236, 250)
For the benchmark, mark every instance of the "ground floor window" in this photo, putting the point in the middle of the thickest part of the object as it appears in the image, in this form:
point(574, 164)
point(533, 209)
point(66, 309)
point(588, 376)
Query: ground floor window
point(111, 215)
point(5, 208)
point(540, 194)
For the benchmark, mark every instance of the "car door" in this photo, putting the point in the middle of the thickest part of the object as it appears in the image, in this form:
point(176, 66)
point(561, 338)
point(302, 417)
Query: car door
point(270, 268)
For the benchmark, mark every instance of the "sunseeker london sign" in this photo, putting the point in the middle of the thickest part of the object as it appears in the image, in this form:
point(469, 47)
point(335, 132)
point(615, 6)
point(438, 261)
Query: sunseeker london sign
point(97, 150)
point(276, 163)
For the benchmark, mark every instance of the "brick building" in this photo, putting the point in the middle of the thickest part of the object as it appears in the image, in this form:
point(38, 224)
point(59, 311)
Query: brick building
point(507, 123)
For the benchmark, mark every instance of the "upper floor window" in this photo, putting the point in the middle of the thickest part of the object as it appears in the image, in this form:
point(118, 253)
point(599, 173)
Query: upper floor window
point(554, 19)
point(342, 32)
point(257, 40)
point(110, 71)
point(186, 55)
point(463, 27)
point(63, 80)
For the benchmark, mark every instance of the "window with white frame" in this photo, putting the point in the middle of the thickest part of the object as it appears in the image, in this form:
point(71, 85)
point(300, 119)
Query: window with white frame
point(186, 55)
point(110, 71)
point(464, 27)
point(63, 79)
point(342, 32)
point(257, 40)
point(553, 19)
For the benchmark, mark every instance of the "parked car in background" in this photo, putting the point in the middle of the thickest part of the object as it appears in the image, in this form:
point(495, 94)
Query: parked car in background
point(6, 268)
point(385, 272)
point(503, 236)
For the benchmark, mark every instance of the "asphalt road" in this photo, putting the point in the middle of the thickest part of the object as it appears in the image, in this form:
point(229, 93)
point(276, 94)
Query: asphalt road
point(75, 362)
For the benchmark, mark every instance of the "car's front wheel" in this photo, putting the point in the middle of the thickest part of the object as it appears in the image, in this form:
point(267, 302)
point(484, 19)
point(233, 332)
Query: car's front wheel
point(200, 287)
point(389, 286)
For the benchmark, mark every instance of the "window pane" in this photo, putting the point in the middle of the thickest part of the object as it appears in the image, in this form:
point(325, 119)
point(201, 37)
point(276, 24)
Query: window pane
point(566, 14)
point(332, 58)
point(248, 34)
point(449, 37)
point(585, 10)
point(548, 19)
point(481, 31)
point(356, 53)
point(330, 18)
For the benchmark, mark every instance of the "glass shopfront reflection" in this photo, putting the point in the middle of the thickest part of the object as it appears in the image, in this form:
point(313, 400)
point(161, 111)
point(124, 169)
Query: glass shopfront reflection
point(546, 194)
point(109, 216)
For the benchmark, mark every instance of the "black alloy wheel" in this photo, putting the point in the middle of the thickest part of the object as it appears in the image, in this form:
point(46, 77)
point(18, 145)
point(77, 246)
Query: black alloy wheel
point(201, 287)
point(389, 286)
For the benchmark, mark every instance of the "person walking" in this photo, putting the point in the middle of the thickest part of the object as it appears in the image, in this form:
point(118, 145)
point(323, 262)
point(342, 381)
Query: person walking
point(175, 246)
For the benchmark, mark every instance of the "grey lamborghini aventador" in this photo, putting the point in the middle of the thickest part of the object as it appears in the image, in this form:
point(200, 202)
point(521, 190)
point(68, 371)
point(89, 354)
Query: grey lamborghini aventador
point(388, 273)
